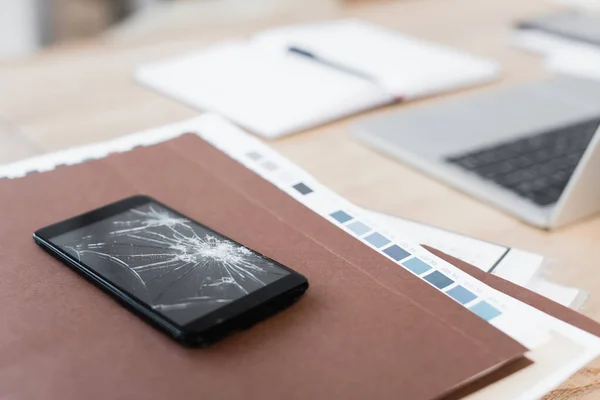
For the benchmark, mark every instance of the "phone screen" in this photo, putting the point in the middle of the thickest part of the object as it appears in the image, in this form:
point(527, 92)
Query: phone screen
point(181, 269)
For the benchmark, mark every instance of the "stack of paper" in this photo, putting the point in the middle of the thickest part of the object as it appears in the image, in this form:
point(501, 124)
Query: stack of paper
point(383, 318)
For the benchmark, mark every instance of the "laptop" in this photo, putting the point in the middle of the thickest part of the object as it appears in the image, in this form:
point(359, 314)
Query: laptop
point(532, 150)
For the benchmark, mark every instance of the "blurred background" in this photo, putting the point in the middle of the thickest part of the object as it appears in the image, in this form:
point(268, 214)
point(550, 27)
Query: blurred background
point(28, 25)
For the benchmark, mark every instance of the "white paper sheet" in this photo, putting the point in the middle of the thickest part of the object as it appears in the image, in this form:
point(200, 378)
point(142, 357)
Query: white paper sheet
point(483, 255)
point(567, 296)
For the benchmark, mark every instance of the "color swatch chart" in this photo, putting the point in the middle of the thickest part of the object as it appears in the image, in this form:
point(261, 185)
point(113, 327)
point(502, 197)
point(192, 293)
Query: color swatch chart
point(311, 194)
point(504, 312)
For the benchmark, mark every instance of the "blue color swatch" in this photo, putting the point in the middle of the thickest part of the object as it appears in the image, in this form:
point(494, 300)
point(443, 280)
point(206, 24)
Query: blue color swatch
point(396, 252)
point(377, 239)
point(341, 216)
point(302, 188)
point(462, 295)
point(417, 266)
point(485, 310)
point(358, 228)
point(438, 280)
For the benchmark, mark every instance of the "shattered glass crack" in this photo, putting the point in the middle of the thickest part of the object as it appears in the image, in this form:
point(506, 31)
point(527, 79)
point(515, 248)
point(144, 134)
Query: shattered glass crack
point(178, 267)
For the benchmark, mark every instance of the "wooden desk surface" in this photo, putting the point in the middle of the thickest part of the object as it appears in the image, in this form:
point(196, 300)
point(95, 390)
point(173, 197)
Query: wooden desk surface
point(85, 93)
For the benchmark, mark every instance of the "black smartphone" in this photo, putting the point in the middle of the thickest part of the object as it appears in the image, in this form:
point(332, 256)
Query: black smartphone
point(177, 274)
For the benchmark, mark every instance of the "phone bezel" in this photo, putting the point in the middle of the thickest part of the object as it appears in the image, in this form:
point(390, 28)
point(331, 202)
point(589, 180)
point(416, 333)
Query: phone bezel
point(239, 314)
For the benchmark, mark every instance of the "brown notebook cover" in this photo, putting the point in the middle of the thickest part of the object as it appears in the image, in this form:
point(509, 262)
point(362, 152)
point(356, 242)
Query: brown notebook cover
point(365, 329)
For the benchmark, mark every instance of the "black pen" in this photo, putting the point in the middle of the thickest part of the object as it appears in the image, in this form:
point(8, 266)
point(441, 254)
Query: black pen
point(331, 64)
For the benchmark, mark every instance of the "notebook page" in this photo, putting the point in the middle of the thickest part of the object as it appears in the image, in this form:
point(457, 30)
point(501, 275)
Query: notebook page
point(269, 93)
point(406, 67)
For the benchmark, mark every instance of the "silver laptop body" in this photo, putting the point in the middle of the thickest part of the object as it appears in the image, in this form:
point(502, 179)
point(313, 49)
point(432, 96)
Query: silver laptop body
point(450, 139)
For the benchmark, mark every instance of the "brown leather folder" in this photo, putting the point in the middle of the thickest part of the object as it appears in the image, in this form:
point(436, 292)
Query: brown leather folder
point(366, 328)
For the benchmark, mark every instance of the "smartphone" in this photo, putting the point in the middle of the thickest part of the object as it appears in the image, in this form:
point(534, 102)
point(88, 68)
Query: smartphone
point(179, 275)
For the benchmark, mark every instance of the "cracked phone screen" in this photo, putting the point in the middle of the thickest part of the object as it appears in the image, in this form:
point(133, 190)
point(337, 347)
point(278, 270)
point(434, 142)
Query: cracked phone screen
point(181, 269)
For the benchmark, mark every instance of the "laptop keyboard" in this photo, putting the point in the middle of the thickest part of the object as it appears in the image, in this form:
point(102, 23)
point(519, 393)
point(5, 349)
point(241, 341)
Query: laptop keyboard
point(537, 167)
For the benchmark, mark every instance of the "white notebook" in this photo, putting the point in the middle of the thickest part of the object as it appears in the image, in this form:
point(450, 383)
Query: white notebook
point(262, 86)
